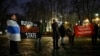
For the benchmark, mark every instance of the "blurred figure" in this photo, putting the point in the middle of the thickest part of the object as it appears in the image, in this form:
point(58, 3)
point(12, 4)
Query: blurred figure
point(13, 31)
point(70, 35)
point(62, 33)
point(99, 32)
point(95, 35)
point(39, 35)
point(55, 34)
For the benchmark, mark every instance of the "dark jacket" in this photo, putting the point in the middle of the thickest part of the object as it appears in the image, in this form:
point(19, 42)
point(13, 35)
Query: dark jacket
point(40, 33)
point(55, 30)
point(62, 30)
point(95, 29)
point(99, 32)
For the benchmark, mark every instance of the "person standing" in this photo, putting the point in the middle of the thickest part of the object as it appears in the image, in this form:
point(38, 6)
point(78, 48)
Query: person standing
point(13, 31)
point(62, 33)
point(70, 35)
point(95, 34)
point(55, 34)
point(99, 32)
point(39, 35)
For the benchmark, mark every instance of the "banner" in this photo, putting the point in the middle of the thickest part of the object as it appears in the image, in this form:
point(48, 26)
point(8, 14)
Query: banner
point(28, 29)
point(84, 30)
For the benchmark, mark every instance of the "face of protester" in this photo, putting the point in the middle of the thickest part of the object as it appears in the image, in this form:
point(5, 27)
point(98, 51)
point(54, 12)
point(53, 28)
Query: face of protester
point(13, 17)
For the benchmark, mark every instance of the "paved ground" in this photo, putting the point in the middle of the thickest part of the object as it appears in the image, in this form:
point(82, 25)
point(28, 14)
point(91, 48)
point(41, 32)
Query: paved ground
point(4, 46)
point(82, 47)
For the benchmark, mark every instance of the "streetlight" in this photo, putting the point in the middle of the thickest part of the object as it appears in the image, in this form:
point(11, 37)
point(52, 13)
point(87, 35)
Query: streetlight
point(96, 14)
point(97, 19)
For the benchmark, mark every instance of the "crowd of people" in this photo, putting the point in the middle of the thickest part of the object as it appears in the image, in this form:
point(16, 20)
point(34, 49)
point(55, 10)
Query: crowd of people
point(13, 31)
point(61, 31)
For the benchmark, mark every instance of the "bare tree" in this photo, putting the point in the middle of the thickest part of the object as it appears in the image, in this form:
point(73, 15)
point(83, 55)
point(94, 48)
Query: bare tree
point(84, 8)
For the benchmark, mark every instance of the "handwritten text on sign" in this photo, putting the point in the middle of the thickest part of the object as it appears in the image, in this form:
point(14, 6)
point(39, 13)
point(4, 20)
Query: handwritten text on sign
point(84, 30)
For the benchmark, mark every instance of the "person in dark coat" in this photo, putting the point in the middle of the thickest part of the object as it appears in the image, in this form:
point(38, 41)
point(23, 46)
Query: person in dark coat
point(95, 35)
point(62, 33)
point(99, 32)
point(55, 34)
point(39, 35)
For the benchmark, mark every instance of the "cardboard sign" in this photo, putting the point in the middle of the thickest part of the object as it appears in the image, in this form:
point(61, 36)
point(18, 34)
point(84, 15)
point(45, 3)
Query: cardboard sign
point(84, 30)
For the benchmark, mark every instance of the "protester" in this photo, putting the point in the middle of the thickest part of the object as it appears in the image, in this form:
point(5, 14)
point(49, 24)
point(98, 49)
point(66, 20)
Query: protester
point(55, 34)
point(39, 35)
point(95, 35)
point(13, 31)
point(99, 32)
point(70, 35)
point(62, 33)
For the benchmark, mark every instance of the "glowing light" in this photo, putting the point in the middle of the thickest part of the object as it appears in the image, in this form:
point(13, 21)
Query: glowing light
point(66, 22)
point(28, 26)
point(97, 19)
point(87, 20)
point(61, 16)
point(47, 30)
point(96, 14)
point(76, 23)
point(1, 32)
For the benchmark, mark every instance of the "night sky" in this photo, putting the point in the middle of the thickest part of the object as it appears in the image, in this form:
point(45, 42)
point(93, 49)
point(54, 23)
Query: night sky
point(19, 5)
